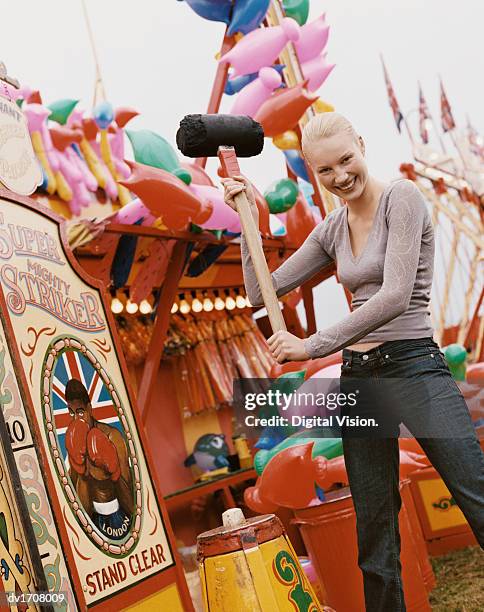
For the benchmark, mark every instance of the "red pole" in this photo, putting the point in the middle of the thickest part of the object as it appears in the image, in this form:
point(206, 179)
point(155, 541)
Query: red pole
point(158, 337)
point(218, 86)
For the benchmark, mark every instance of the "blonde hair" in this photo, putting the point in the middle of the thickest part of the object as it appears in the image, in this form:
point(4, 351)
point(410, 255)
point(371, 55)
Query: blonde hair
point(325, 125)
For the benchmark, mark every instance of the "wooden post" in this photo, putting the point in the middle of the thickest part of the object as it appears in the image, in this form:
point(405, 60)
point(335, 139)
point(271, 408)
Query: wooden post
point(475, 322)
point(293, 75)
point(467, 300)
point(163, 312)
point(448, 280)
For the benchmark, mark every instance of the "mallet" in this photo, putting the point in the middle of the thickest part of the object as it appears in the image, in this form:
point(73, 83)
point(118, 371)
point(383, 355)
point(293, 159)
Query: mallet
point(229, 136)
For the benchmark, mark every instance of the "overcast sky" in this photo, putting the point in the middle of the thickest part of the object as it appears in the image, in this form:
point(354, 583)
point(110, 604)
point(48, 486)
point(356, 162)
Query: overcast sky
point(158, 56)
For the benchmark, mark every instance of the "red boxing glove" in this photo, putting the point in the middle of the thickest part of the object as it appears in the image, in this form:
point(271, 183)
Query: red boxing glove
point(76, 440)
point(103, 453)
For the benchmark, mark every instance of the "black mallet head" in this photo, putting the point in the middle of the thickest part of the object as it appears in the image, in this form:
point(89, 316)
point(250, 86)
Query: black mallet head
point(202, 135)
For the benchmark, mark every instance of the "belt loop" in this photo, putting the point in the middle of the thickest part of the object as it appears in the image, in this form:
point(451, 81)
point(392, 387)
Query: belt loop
point(350, 358)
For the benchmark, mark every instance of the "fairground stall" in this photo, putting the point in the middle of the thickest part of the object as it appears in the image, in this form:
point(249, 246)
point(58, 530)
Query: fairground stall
point(125, 321)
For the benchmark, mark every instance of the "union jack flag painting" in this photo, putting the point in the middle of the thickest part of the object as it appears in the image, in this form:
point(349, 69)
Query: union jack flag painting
point(73, 364)
point(424, 115)
point(448, 122)
point(397, 113)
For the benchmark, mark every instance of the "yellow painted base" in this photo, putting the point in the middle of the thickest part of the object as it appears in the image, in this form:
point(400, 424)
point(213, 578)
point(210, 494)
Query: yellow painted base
point(167, 600)
point(441, 512)
point(267, 578)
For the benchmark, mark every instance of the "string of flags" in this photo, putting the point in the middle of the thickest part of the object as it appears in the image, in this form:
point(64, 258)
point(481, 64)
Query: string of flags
point(475, 141)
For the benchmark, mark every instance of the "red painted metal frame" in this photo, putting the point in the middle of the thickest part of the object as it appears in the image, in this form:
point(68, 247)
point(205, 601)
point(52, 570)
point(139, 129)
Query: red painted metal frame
point(218, 86)
point(158, 337)
point(156, 582)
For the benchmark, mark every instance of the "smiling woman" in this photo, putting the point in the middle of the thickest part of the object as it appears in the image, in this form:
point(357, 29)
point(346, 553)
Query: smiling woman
point(383, 243)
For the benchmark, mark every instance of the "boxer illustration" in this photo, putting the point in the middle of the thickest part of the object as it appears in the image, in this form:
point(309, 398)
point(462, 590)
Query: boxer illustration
point(98, 465)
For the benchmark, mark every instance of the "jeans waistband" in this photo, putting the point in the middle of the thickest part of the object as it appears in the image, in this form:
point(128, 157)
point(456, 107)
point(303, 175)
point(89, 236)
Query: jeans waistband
point(386, 348)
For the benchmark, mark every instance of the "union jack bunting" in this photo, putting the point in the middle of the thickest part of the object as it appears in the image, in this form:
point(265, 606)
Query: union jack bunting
point(448, 122)
point(72, 364)
point(397, 114)
point(423, 116)
point(476, 144)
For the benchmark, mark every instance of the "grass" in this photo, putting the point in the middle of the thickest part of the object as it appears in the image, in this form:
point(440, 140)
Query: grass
point(460, 581)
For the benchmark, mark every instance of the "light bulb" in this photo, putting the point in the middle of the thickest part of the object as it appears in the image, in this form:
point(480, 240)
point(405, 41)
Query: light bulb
point(131, 307)
point(230, 303)
point(145, 307)
point(116, 305)
point(197, 305)
point(240, 302)
point(219, 303)
point(207, 304)
point(247, 302)
point(184, 307)
point(174, 308)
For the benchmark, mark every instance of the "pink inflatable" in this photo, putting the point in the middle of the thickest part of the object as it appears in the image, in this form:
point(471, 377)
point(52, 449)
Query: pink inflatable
point(133, 212)
point(261, 47)
point(88, 177)
point(222, 217)
point(316, 71)
point(313, 39)
point(254, 94)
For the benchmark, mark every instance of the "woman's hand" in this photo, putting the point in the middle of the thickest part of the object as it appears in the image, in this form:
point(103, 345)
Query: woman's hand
point(237, 184)
point(287, 347)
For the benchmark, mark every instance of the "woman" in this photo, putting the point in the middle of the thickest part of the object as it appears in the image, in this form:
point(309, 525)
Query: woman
point(383, 244)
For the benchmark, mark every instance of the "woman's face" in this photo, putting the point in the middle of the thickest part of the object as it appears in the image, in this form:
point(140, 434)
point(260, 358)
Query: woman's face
point(339, 163)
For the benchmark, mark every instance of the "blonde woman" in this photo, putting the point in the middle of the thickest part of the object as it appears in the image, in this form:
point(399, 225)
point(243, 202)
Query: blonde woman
point(383, 244)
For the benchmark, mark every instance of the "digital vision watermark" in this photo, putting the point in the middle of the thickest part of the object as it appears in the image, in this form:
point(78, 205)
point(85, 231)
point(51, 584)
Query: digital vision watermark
point(346, 407)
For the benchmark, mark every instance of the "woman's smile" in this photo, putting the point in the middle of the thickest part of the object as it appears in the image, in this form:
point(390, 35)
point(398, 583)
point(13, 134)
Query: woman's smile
point(348, 186)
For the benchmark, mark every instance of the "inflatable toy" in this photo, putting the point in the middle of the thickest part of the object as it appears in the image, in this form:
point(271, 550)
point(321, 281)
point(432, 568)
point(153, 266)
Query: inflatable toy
point(312, 40)
point(61, 109)
point(299, 221)
point(255, 93)
point(297, 9)
point(282, 111)
point(152, 149)
point(247, 16)
point(167, 196)
point(209, 453)
point(286, 141)
point(213, 10)
point(316, 71)
point(260, 47)
point(456, 357)
point(281, 195)
point(296, 163)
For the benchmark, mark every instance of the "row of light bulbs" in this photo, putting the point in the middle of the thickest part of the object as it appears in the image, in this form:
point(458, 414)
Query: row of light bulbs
point(117, 306)
point(207, 303)
point(193, 301)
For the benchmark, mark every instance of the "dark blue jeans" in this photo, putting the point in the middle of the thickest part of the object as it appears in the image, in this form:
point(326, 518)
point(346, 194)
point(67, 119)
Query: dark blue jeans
point(373, 463)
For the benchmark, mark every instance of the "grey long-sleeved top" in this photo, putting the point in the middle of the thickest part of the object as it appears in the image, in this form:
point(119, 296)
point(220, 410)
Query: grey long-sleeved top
point(390, 280)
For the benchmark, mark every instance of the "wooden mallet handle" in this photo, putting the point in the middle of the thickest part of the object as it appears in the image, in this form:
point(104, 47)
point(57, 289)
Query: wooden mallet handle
point(230, 166)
